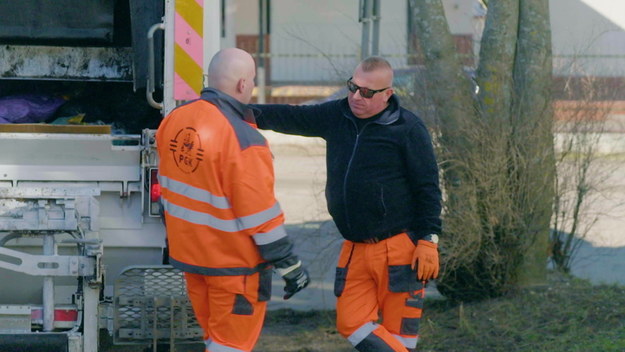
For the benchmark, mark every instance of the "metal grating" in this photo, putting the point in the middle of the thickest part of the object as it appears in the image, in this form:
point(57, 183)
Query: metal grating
point(151, 304)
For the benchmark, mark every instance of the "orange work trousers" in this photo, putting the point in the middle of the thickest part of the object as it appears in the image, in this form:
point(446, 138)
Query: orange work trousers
point(373, 280)
point(230, 309)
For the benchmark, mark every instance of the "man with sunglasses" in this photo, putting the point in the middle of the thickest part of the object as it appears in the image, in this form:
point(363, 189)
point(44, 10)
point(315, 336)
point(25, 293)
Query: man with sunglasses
point(383, 194)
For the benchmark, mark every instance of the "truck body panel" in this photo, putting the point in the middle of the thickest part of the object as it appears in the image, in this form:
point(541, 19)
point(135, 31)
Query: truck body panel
point(82, 243)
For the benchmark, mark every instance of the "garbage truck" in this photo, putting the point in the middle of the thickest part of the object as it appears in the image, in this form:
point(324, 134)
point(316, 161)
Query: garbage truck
point(83, 86)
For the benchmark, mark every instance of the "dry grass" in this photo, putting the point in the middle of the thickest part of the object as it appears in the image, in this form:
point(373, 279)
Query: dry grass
point(289, 331)
point(566, 315)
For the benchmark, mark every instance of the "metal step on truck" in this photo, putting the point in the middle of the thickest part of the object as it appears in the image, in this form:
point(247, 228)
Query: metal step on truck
point(83, 85)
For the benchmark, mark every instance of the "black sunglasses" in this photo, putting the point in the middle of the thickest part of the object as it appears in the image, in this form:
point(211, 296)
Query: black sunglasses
point(364, 92)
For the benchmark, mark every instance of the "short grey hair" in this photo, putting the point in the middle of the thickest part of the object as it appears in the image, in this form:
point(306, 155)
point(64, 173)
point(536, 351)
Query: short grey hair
point(373, 63)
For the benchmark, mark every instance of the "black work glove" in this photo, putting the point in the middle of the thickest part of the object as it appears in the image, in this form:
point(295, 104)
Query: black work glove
point(296, 278)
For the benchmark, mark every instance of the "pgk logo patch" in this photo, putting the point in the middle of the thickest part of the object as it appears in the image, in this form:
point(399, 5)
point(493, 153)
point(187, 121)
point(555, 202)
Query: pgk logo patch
point(187, 150)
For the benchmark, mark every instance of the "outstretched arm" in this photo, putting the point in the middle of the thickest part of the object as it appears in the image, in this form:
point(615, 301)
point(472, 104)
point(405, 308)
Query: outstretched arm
point(304, 120)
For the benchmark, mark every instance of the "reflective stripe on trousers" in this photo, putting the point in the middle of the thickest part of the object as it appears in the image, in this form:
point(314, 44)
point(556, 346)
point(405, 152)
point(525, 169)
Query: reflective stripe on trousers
point(364, 340)
point(212, 346)
point(409, 342)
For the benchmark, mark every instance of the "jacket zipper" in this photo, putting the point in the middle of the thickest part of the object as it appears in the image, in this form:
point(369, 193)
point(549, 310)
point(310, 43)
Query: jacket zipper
point(349, 166)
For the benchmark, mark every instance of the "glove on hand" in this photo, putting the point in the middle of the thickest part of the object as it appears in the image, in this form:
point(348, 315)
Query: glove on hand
point(294, 275)
point(425, 259)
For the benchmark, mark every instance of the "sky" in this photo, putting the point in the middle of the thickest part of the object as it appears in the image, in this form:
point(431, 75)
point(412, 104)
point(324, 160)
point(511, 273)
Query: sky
point(614, 10)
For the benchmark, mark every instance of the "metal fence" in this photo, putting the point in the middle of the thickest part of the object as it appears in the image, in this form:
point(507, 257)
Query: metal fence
point(333, 68)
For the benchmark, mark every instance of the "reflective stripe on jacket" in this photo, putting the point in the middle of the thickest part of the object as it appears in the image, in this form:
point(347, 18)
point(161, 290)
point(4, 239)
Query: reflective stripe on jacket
point(217, 180)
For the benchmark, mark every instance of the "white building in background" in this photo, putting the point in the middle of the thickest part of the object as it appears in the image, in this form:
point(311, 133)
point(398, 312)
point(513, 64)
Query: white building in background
point(588, 37)
point(318, 41)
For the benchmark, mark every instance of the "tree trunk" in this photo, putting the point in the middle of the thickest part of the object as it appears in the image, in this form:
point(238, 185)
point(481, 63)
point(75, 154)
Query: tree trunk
point(496, 61)
point(450, 92)
point(533, 133)
point(450, 88)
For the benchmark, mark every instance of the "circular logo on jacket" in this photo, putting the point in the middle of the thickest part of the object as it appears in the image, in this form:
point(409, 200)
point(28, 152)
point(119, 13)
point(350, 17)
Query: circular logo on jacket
point(187, 150)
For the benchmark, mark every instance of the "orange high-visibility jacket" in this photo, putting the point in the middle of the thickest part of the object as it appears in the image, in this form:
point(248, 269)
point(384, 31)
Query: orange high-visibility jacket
point(217, 180)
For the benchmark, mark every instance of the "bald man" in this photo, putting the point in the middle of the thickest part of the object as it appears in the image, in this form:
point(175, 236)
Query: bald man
point(383, 194)
point(224, 226)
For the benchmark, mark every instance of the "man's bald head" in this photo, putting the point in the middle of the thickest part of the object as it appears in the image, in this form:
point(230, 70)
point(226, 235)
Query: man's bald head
point(232, 71)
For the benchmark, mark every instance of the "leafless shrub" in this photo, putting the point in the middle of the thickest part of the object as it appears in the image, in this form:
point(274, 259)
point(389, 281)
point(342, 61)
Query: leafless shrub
point(581, 122)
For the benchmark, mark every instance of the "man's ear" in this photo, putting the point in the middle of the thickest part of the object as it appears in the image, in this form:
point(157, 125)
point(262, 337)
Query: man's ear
point(241, 84)
point(388, 93)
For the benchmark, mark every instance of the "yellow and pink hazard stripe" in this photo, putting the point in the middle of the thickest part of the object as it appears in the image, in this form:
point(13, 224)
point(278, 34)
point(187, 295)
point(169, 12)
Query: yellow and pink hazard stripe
point(188, 49)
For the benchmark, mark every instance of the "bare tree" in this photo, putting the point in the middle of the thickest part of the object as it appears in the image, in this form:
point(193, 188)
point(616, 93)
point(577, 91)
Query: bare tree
point(496, 147)
point(581, 168)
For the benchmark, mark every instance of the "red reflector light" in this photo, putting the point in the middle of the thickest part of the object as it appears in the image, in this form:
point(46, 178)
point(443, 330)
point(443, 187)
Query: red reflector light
point(155, 187)
point(154, 206)
point(155, 192)
point(59, 314)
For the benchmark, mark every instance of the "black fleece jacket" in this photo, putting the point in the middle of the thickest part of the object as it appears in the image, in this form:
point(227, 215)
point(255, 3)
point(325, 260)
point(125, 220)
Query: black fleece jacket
point(382, 180)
